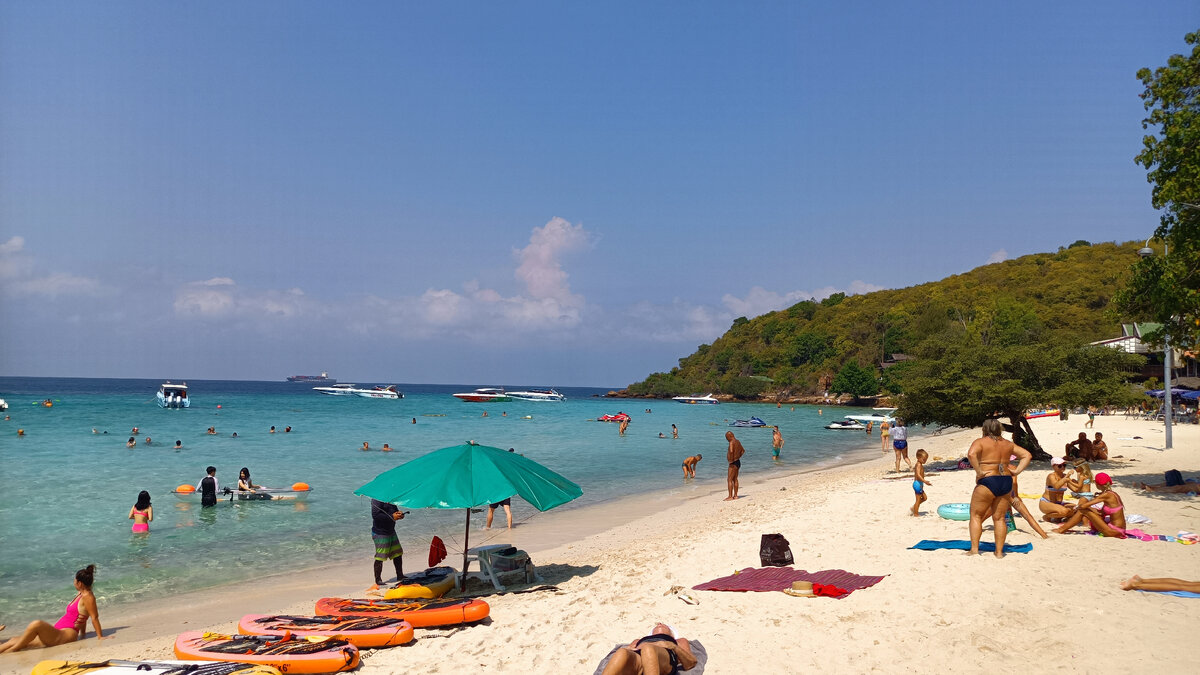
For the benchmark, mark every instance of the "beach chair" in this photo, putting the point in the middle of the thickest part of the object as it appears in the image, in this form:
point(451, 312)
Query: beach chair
point(497, 560)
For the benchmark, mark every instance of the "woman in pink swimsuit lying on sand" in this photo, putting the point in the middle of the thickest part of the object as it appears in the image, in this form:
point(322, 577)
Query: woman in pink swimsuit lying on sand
point(70, 627)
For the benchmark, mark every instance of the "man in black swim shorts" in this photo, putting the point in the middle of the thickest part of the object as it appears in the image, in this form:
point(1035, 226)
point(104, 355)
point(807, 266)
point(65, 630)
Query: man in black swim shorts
point(734, 456)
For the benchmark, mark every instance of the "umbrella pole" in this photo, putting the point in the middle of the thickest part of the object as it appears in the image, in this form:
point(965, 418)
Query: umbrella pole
point(466, 546)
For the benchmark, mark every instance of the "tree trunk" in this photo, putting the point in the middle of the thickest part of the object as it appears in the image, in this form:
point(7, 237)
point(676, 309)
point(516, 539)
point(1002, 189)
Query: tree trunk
point(1022, 435)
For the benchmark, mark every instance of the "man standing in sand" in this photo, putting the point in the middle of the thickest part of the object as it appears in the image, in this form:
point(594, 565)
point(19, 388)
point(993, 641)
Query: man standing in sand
point(689, 466)
point(387, 544)
point(734, 457)
point(776, 442)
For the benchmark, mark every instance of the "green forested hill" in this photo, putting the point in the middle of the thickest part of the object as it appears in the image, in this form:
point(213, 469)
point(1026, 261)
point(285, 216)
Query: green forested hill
point(1046, 296)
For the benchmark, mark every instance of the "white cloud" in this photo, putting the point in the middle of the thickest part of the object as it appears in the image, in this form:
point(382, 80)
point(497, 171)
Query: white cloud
point(20, 273)
point(13, 245)
point(220, 297)
point(541, 269)
point(998, 256)
point(217, 281)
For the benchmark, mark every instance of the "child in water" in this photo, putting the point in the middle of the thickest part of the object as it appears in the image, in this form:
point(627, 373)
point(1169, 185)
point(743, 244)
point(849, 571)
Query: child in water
point(919, 482)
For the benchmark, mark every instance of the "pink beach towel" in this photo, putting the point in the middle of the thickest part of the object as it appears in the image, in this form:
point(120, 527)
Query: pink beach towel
point(780, 578)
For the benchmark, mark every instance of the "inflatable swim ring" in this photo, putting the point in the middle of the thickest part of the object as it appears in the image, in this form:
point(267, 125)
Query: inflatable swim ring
point(958, 511)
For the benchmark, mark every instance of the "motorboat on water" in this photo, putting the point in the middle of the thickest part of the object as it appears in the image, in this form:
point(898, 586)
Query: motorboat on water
point(877, 419)
point(3, 405)
point(173, 395)
point(619, 417)
point(707, 398)
point(847, 425)
point(485, 395)
point(752, 422)
point(380, 391)
point(346, 389)
point(537, 395)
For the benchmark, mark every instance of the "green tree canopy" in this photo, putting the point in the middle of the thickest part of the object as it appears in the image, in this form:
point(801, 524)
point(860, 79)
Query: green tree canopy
point(960, 381)
point(856, 380)
point(1166, 288)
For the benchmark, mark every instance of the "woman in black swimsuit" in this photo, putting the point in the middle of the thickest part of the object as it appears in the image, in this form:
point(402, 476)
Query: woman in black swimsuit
point(659, 653)
point(989, 456)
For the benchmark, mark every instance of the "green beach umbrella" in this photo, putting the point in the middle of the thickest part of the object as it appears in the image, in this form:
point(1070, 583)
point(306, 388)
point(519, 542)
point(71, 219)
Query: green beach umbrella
point(466, 476)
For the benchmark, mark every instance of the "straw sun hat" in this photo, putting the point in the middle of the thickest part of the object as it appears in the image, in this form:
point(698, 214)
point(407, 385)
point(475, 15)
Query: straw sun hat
point(801, 589)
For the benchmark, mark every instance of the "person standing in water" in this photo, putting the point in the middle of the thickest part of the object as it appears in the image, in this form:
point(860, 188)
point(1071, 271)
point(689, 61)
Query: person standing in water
point(734, 456)
point(776, 442)
point(622, 427)
point(208, 487)
point(142, 513)
point(689, 466)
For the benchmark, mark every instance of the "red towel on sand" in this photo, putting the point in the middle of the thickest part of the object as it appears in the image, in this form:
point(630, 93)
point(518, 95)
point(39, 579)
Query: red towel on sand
point(437, 551)
point(780, 578)
point(829, 591)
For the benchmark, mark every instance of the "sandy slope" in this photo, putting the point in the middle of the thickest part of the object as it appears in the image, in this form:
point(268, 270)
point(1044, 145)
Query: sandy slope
point(1039, 612)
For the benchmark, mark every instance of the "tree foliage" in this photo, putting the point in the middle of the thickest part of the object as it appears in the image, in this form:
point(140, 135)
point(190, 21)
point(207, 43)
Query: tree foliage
point(958, 380)
point(1035, 298)
point(1166, 288)
point(855, 380)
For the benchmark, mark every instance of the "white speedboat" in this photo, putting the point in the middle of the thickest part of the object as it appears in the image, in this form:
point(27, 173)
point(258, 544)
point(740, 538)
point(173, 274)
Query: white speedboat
point(863, 419)
point(847, 425)
point(485, 395)
point(346, 389)
point(173, 395)
point(537, 395)
point(380, 392)
point(707, 398)
point(3, 405)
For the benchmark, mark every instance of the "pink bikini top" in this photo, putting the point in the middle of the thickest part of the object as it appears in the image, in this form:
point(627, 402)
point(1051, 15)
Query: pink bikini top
point(71, 618)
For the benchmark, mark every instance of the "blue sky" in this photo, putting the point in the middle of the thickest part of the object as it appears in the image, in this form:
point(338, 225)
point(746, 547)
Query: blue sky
point(571, 194)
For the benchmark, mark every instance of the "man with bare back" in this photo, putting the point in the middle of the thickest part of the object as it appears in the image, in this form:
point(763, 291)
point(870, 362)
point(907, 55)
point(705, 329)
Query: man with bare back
point(734, 457)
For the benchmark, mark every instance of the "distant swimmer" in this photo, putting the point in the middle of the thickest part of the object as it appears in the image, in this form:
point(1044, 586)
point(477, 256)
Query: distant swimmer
point(131, 443)
point(623, 426)
point(414, 420)
point(134, 431)
point(674, 431)
point(287, 430)
point(147, 440)
point(20, 432)
point(178, 445)
point(776, 442)
point(661, 435)
point(212, 431)
point(484, 414)
point(734, 456)
point(689, 466)
point(504, 413)
point(272, 429)
point(387, 448)
point(233, 435)
point(93, 428)
point(365, 447)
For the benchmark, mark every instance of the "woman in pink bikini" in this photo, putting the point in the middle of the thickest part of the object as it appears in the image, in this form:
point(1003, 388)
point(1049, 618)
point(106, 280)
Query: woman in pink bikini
point(142, 513)
point(1105, 514)
point(71, 626)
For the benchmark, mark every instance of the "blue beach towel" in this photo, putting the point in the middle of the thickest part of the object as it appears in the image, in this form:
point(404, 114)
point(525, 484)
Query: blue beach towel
point(1178, 594)
point(964, 545)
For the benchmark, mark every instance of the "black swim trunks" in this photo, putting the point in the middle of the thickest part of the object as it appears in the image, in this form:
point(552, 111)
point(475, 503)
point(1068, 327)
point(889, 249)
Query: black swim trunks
point(505, 502)
point(737, 463)
point(999, 485)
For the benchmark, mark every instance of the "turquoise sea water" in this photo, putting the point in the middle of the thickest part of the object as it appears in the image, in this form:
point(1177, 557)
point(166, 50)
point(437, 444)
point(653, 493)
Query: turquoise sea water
point(65, 492)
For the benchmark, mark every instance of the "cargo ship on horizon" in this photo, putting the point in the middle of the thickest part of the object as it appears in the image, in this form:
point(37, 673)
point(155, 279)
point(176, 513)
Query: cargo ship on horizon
point(323, 378)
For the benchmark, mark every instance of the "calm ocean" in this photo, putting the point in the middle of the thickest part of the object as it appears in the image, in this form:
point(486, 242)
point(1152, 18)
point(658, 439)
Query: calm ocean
point(65, 492)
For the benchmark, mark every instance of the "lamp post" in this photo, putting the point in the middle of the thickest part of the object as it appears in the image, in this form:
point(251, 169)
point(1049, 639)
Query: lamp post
point(1146, 252)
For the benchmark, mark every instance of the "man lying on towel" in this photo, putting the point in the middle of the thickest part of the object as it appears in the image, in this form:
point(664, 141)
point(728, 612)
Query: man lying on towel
point(659, 653)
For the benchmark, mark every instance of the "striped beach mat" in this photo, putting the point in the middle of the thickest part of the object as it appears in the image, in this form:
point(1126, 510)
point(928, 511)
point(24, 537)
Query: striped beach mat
point(780, 578)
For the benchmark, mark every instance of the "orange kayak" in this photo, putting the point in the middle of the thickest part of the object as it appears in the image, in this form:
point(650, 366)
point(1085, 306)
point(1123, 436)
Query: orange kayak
point(360, 631)
point(288, 654)
point(419, 613)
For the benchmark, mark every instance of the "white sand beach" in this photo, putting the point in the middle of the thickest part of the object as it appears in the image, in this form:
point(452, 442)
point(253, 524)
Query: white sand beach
point(1057, 607)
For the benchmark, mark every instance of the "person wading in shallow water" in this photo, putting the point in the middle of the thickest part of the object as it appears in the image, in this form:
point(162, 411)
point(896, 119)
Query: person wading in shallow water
point(734, 456)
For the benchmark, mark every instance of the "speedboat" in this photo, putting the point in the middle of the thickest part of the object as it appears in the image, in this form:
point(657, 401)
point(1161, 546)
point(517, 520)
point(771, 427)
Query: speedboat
point(485, 395)
point(3, 405)
point(752, 422)
point(877, 419)
point(380, 392)
point(847, 424)
point(707, 398)
point(619, 417)
point(537, 395)
point(173, 395)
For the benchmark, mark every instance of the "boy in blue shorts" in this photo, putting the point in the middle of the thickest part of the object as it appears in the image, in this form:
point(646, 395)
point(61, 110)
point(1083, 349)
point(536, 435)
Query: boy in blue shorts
point(919, 482)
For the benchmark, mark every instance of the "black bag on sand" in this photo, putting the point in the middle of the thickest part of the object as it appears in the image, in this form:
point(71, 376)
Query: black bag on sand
point(774, 551)
point(1173, 477)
